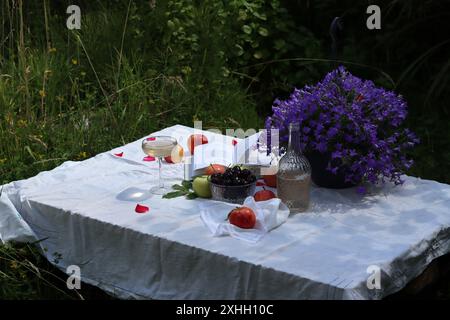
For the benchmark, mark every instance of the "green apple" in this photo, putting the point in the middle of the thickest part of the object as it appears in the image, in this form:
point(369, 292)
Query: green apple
point(201, 187)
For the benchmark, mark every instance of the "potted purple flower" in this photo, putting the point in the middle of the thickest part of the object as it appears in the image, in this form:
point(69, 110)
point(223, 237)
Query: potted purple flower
point(350, 130)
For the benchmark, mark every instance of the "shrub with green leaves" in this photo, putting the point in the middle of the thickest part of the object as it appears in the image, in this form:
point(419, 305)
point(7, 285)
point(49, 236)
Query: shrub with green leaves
point(238, 38)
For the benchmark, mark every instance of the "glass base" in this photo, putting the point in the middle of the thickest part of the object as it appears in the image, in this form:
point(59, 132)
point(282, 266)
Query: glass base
point(134, 194)
point(137, 194)
point(160, 191)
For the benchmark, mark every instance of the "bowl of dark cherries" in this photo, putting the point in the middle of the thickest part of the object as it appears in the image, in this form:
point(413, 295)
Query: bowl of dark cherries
point(234, 185)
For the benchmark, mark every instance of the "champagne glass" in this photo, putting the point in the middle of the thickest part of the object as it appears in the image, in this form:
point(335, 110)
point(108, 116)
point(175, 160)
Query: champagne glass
point(159, 147)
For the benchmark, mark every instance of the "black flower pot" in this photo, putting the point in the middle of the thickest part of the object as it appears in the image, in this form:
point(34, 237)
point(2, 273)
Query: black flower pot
point(323, 177)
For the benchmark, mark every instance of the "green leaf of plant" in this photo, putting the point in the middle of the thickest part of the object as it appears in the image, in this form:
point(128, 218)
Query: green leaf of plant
point(239, 50)
point(258, 55)
point(247, 29)
point(170, 24)
point(261, 16)
point(191, 195)
point(174, 194)
point(187, 184)
point(263, 31)
point(242, 15)
point(179, 188)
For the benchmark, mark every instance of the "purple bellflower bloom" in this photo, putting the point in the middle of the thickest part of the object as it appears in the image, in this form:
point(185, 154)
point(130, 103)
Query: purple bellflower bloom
point(352, 120)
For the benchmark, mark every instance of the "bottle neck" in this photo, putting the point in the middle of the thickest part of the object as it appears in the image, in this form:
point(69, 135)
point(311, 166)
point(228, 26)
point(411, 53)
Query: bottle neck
point(294, 138)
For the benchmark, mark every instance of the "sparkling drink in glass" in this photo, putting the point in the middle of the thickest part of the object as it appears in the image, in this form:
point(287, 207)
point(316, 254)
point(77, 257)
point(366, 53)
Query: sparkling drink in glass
point(159, 147)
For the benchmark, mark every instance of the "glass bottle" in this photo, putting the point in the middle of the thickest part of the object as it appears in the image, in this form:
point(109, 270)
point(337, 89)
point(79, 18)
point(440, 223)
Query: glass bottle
point(294, 174)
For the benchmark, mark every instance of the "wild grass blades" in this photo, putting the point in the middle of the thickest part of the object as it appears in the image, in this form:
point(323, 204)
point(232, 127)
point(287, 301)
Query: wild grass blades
point(47, 28)
point(97, 78)
point(25, 274)
point(64, 100)
point(119, 62)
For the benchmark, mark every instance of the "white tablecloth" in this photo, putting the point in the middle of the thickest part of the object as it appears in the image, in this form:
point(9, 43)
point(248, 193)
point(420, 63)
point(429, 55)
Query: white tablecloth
point(169, 253)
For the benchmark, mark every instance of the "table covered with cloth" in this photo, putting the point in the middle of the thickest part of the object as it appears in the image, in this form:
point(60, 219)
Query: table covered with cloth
point(329, 252)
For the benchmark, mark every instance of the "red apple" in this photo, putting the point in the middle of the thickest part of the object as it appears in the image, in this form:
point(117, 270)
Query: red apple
point(264, 195)
point(214, 168)
point(271, 180)
point(176, 155)
point(196, 140)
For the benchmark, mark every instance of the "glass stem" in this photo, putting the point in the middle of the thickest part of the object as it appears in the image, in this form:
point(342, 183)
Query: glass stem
point(160, 182)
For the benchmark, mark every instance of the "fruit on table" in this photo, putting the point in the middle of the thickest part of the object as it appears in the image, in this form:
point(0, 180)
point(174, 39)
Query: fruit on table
point(271, 180)
point(214, 168)
point(242, 217)
point(201, 187)
point(234, 176)
point(264, 195)
point(176, 155)
point(196, 140)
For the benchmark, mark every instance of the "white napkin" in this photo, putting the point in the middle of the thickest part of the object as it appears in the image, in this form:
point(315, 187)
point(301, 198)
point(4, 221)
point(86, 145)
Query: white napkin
point(269, 215)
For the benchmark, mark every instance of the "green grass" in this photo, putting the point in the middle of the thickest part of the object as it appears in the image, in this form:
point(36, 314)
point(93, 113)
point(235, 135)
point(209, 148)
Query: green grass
point(81, 97)
point(26, 274)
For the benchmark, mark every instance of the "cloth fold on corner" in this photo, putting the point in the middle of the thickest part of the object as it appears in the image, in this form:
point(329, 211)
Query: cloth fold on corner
point(12, 227)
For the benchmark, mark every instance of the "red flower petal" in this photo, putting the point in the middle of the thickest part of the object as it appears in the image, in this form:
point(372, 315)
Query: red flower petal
point(120, 155)
point(260, 183)
point(234, 142)
point(151, 139)
point(141, 209)
point(149, 158)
